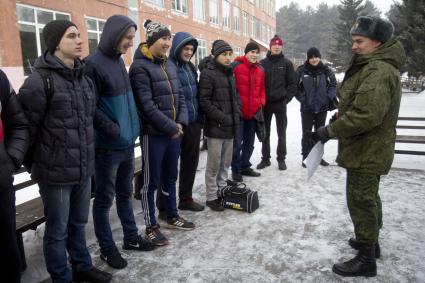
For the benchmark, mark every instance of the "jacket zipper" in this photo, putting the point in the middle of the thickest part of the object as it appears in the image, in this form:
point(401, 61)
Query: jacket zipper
point(171, 91)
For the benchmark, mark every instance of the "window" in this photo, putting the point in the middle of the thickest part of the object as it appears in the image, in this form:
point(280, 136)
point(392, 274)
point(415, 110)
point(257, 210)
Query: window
point(199, 9)
point(258, 29)
point(94, 31)
point(179, 5)
point(214, 12)
point(226, 14)
point(238, 52)
point(252, 26)
point(159, 3)
point(263, 33)
point(244, 23)
point(31, 22)
point(201, 52)
point(236, 19)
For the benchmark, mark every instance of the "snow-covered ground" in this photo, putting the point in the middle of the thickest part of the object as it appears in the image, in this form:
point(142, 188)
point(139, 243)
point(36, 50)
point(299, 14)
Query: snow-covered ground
point(299, 231)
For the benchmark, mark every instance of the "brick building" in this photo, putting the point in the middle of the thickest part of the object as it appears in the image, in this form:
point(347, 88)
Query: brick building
point(236, 21)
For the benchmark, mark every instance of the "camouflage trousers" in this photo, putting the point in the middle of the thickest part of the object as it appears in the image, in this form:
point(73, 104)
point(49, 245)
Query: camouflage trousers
point(364, 205)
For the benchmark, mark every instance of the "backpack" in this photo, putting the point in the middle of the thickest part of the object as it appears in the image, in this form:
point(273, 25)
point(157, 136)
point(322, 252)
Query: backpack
point(238, 197)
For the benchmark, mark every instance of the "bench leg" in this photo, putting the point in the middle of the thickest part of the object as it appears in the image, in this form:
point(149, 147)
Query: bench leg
point(21, 251)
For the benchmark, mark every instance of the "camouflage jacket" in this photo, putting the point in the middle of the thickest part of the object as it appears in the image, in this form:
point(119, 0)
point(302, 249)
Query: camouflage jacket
point(368, 110)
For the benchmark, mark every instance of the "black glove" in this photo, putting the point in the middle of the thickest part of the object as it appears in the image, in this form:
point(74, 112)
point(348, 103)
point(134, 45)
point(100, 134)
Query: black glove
point(322, 134)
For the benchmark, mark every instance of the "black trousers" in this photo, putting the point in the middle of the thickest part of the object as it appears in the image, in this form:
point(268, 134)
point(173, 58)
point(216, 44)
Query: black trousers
point(308, 120)
point(279, 110)
point(11, 266)
point(189, 158)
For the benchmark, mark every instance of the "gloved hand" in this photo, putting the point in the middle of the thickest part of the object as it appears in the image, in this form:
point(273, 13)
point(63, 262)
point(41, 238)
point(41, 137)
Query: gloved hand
point(322, 134)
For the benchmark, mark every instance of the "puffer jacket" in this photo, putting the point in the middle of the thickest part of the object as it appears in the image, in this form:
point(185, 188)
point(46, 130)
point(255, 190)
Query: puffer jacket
point(281, 78)
point(187, 74)
point(251, 86)
point(116, 121)
point(316, 87)
point(14, 133)
point(157, 92)
point(369, 102)
point(219, 101)
point(61, 133)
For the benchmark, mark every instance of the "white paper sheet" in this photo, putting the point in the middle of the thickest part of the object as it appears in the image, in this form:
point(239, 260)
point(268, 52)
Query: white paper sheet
point(313, 159)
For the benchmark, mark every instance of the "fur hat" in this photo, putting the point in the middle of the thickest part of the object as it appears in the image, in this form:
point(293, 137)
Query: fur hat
point(54, 31)
point(251, 46)
point(276, 40)
point(220, 47)
point(155, 31)
point(373, 28)
point(313, 52)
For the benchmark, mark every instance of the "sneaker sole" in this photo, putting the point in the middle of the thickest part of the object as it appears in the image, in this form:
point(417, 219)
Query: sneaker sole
point(139, 249)
point(169, 226)
point(357, 274)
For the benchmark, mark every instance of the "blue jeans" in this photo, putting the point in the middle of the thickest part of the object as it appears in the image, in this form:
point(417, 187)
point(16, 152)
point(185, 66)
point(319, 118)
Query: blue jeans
point(66, 209)
point(160, 156)
point(243, 141)
point(114, 178)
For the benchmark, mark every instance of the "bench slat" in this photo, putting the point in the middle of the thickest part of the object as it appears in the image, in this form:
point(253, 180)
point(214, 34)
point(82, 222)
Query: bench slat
point(410, 139)
point(29, 215)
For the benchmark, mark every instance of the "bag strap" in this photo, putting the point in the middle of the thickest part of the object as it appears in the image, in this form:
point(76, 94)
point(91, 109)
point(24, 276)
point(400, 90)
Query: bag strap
point(49, 87)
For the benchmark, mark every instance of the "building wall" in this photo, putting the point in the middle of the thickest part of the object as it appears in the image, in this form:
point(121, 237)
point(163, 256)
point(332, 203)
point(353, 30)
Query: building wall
point(10, 45)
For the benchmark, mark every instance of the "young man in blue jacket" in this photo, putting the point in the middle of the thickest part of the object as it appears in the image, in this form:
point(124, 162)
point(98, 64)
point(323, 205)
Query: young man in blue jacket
point(116, 126)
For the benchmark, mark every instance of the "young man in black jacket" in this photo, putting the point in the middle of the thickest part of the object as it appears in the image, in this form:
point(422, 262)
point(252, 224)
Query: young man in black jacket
point(281, 87)
point(13, 145)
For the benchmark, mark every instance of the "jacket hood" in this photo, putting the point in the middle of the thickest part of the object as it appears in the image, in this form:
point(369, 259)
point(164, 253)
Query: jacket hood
point(180, 40)
point(269, 54)
point(143, 52)
point(115, 28)
point(52, 63)
point(204, 62)
point(391, 52)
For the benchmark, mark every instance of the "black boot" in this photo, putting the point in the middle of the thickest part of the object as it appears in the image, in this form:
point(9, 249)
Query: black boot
point(356, 245)
point(363, 264)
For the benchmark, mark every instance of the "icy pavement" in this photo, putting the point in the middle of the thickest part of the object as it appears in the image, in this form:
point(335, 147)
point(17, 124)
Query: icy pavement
point(299, 231)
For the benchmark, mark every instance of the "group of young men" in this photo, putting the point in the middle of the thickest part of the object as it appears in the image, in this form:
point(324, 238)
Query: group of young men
point(81, 118)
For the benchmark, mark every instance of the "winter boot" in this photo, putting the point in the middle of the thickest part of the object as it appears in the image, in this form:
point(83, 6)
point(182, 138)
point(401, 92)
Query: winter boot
point(356, 245)
point(363, 264)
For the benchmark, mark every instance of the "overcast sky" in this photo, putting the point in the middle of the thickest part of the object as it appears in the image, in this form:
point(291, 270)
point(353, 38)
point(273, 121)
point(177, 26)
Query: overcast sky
point(383, 5)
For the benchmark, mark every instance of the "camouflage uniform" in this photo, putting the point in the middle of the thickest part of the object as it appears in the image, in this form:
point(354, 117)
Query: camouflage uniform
point(366, 128)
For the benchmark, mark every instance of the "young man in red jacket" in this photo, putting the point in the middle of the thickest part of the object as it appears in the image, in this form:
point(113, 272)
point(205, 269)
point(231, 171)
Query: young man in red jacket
point(250, 83)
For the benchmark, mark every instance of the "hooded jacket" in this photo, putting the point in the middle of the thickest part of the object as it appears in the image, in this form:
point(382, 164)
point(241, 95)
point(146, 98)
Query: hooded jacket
point(14, 133)
point(281, 79)
point(250, 84)
point(187, 74)
point(116, 121)
point(157, 92)
point(61, 133)
point(369, 102)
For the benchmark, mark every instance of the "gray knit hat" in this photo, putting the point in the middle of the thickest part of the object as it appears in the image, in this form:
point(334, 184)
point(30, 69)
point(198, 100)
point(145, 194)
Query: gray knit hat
point(155, 31)
point(220, 47)
point(373, 27)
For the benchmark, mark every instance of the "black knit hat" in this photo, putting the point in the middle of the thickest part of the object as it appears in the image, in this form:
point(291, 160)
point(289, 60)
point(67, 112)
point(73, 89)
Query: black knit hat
point(53, 33)
point(220, 47)
point(214, 43)
point(313, 52)
point(155, 31)
point(251, 46)
point(373, 28)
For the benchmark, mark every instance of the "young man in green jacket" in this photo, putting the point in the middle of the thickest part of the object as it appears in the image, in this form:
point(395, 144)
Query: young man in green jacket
point(366, 129)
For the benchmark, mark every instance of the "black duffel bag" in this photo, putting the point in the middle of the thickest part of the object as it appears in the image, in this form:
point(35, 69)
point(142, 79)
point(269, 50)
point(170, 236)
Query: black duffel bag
point(238, 197)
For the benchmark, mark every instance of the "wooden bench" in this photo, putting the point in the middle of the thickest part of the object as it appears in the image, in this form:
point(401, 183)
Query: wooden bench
point(411, 139)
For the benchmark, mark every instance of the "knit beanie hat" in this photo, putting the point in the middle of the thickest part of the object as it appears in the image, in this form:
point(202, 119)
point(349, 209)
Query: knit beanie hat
point(54, 31)
point(313, 52)
point(220, 47)
point(214, 43)
point(251, 46)
point(276, 40)
point(373, 28)
point(155, 31)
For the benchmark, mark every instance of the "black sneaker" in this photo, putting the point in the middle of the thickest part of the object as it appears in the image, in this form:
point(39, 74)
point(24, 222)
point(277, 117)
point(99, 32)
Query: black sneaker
point(179, 223)
point(139, 245)
point(282, 165)
point(92, 275)
point(237, 177)
point(154, 235)
point(114, 259)
point(190, 204)
point(263, 164)
point(324, 163)
point(215, 205)
point(250, 172)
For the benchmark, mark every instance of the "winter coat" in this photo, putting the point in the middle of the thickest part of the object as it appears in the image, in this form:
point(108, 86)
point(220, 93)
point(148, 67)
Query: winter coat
point(116, 121)
point(369, 102)
point(61, 132)
point(187, 74)
point(14, 133)
point(219, 101)
point(204, 62)
point(316, 88)
point(157, 92)
point(250, 84)
point(281, 78)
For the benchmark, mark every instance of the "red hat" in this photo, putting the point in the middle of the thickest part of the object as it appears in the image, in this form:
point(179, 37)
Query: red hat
point(276, 40)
